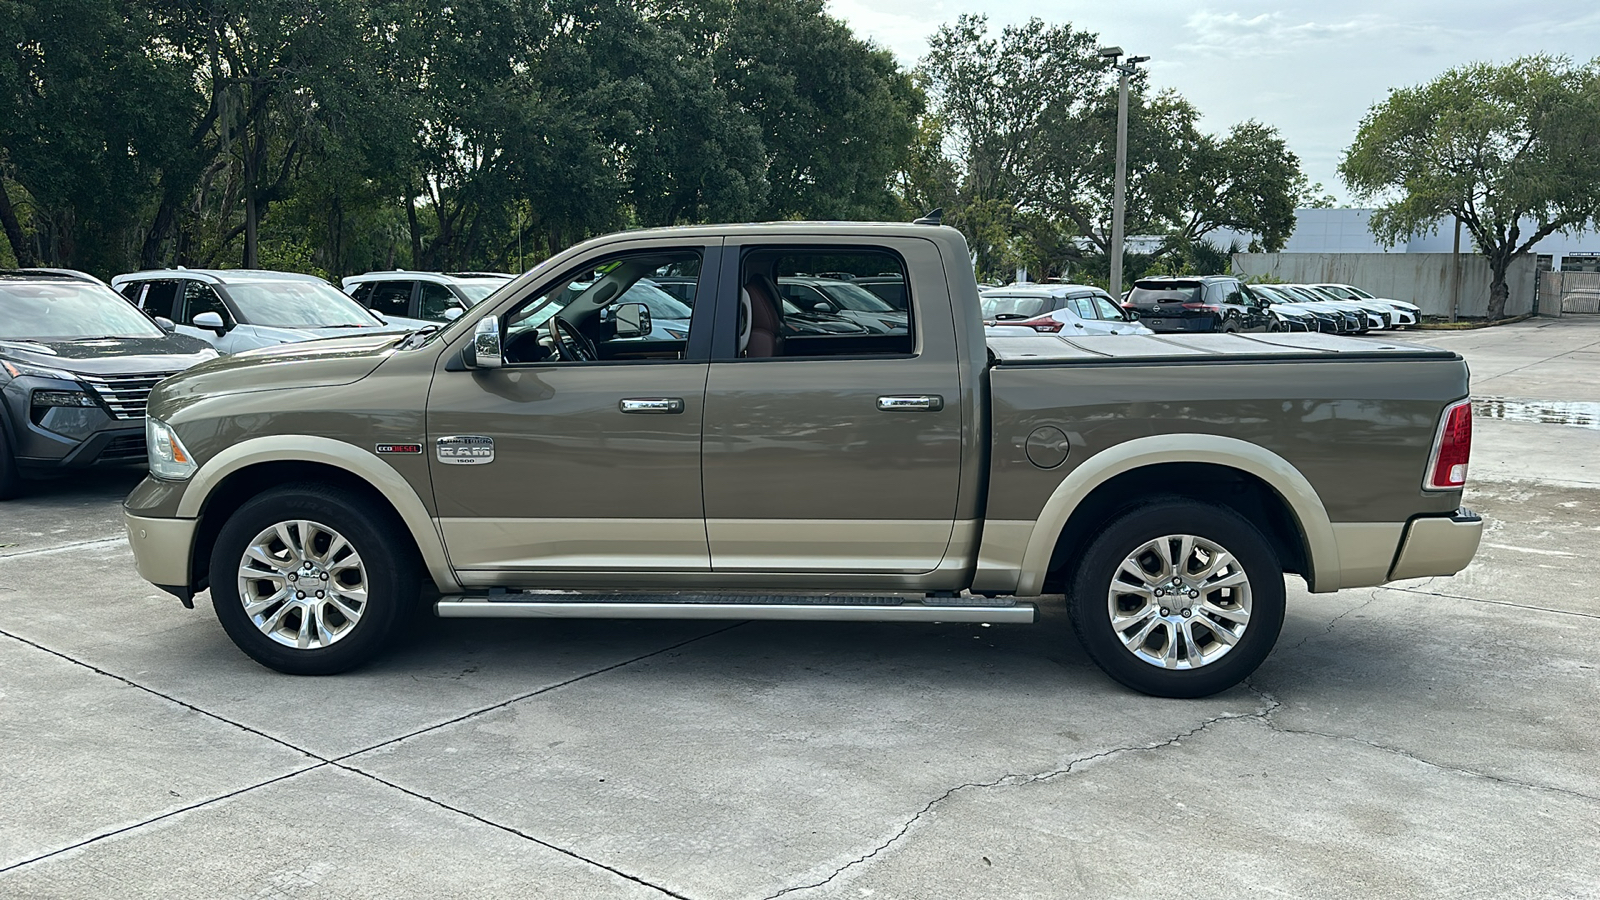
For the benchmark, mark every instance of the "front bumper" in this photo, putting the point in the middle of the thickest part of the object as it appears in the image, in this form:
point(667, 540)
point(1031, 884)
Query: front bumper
point(1438, 545)
point(161, 552)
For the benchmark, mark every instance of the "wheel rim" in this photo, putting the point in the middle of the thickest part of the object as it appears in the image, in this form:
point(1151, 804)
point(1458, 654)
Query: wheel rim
point(303, 584)
point(1179, 602)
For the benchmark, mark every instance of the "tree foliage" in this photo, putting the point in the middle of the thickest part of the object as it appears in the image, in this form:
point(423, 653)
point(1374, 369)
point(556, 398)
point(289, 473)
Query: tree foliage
point(1513, 151)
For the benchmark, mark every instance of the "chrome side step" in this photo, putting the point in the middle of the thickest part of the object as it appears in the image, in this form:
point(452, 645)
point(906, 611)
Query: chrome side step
point(813, 608)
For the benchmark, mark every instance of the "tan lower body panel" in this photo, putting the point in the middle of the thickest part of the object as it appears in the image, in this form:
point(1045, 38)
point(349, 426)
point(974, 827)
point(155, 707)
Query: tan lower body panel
point(868, 546)
point(161, 548)
point(1437, 546)
point(1005, 543)
point(577, 544)
point(1366, 551)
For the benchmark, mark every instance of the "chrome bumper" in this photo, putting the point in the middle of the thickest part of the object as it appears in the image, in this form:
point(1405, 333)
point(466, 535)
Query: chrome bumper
point(1438, 545)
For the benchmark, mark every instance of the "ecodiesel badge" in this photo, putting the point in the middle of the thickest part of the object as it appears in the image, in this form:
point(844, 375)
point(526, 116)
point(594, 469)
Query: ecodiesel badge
point(464, 449)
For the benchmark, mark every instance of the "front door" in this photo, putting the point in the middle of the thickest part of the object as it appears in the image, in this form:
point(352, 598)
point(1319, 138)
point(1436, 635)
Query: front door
point(834, 453)
point(576, 456)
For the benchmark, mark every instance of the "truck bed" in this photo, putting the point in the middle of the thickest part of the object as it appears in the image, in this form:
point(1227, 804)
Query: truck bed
point(1055, 350)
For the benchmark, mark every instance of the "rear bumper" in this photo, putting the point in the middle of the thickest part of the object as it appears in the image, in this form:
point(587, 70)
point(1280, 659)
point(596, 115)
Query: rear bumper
point(1438, 545)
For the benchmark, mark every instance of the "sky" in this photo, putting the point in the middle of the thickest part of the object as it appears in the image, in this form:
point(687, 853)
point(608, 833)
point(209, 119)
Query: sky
point(1310, 69)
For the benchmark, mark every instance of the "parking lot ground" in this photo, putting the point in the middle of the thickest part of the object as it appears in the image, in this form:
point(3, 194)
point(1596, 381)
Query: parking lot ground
point(1433, 738)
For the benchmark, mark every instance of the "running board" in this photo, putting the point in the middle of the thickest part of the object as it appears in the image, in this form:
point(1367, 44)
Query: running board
point(834, 608)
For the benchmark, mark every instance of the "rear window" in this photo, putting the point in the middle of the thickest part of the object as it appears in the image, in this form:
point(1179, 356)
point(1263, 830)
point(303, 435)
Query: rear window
point(1164, 293)
point(1014, 307)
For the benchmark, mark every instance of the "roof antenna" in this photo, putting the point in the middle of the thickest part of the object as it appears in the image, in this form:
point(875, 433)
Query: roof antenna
point(936, 217)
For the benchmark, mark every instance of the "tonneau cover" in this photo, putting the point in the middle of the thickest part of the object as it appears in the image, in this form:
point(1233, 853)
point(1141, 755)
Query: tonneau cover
point(1049, 349)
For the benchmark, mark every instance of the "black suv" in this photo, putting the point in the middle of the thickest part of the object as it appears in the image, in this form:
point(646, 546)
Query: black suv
point(77, 362)
point(1189, 303)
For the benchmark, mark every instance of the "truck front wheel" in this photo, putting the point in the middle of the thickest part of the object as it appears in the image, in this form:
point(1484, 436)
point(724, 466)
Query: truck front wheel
point(1177, 598)
point(311, 579)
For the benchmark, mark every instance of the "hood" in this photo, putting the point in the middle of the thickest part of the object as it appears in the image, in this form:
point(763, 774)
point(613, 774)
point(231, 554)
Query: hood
point(112, 356)
point(303, 364)
point(291, 335)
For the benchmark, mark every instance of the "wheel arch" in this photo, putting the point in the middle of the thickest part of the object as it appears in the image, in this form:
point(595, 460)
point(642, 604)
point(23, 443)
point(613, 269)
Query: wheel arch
point(243, 470)
point(1255, 482)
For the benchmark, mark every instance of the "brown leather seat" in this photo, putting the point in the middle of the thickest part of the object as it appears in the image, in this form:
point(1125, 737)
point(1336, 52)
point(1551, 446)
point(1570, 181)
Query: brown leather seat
point(761, 319)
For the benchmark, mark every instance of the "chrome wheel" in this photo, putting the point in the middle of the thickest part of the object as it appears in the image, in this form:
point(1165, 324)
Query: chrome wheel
point(303, 584)
point(1179, 602)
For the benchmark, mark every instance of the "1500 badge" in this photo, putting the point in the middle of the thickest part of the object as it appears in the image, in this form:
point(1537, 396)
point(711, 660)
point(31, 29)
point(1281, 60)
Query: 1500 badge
point(464, 449)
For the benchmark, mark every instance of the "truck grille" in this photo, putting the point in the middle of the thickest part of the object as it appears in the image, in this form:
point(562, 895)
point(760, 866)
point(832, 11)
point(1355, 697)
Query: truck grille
point(124, 395)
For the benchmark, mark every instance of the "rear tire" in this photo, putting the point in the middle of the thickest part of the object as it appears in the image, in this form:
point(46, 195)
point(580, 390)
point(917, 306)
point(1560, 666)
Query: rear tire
point(1189, 620)
point(311, 579)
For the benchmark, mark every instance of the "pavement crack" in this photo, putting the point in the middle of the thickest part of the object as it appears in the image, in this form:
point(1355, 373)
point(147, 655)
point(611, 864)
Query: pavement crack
point(61, 548)
point(1559, 612)
point(1371, 598)
point(1020, 779)
point(513, 830)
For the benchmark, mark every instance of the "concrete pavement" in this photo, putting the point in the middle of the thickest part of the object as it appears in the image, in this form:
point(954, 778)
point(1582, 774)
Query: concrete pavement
point(1434, 738)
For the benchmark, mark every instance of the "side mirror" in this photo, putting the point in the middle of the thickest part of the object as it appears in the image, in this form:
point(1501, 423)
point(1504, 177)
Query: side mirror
point(212, 321)
point(1130, 315)
point(166, 324)
point(822, 308)
point(632, 320)
point(453, 313)
point(484, 351)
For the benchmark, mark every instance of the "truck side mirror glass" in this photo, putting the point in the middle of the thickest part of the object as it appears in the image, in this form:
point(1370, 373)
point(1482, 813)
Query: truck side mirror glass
point(632, 319)
point(212, 321)
point(484, 351)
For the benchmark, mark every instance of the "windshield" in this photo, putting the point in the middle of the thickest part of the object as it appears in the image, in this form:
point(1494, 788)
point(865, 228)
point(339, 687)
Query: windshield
point(850, 296)
point(1013, 307)
point(298, 304)
point(69, 311)
point(1335, 290)
point(477, 290)
point(1164, 293)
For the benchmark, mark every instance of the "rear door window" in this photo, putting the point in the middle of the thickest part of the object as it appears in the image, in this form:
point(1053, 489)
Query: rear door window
point(161, 299)
point(391, 298)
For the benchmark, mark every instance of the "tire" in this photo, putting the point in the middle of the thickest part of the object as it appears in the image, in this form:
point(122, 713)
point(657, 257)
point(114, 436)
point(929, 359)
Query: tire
point(10, 478)
point(1155, 653)
point(314, 636)
point(1229, 327)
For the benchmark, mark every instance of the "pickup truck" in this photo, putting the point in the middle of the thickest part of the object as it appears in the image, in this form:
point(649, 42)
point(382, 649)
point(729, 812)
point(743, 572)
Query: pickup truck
point(548, 454)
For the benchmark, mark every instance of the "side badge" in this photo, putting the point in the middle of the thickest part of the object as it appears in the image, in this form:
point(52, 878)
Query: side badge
point(399, 448)
point(464, 450)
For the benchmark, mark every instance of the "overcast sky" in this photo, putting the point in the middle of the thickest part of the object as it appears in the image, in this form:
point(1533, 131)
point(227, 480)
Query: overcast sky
point(1311, 69)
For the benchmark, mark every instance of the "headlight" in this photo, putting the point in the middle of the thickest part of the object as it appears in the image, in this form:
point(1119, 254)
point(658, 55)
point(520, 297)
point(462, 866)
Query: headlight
point(168, 457)
point(17, 370)
point(62, 398)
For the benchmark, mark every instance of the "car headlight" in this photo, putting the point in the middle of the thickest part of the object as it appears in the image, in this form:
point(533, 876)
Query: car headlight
point(17, 370)
point(169, 459)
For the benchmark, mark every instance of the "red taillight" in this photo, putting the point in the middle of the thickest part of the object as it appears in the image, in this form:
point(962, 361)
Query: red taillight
point(1447, 469)
point(1205, 306)
point(1043, 323)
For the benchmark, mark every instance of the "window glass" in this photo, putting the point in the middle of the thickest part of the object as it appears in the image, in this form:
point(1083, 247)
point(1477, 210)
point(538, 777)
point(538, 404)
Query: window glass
point(1084, 308)
point(362, 292)
point(201, 298)
point(803, 302)
point(1158, 292)
point(391, 298)
point(1014, 307)
point(438, 300)
point(585, 316)
point(1106, 308)
point(68, 311)
point(298, 304)
point(480, 288)
point(160, 299)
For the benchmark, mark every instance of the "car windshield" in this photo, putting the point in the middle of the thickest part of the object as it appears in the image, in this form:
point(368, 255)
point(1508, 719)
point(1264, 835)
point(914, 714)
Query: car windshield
point(1013, 307)
point(1340, 292)
point(1164, 293)
point(850, 296)
point(298, 304)
point(477, 290)
point(68, 312)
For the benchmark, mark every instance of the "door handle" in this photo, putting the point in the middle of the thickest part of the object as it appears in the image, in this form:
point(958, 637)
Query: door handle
point(652, 405)
point(911, 403)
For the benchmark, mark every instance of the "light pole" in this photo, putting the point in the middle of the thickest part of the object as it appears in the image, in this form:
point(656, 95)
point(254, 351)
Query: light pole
point(1120, 189)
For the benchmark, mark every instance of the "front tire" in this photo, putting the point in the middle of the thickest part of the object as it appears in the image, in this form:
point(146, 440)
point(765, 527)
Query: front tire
point(311, 579)
point(1178, 598)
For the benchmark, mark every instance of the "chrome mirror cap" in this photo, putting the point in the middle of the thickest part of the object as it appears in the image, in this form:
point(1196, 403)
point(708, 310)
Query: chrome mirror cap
point(486, 344)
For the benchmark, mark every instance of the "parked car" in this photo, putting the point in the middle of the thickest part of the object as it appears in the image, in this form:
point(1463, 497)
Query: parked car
point(429, 296)
point(1182, 303)
point(1298, 316)
point(835, 297)
point(76, 366)
point(1351, 320)
point(891, 289)
point(1374, 316)
point(243, 309)
point(1058, 309)
point(745, 474)
point(1406, 314)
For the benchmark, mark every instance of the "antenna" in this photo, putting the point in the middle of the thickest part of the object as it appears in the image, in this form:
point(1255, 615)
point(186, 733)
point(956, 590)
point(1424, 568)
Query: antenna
point(936, 217)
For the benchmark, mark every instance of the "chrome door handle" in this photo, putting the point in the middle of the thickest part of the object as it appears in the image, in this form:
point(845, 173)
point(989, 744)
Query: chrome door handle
point(657, 405)
point(911, 403)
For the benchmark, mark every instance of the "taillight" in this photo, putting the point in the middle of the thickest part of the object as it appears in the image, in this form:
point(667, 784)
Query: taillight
point(1205, 306)
point(1447, 468)
point(1045, 324)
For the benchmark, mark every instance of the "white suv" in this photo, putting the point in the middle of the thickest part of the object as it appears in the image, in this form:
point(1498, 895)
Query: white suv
point(432, 296)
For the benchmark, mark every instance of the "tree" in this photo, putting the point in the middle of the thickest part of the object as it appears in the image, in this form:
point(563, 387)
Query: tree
point(1498, 147)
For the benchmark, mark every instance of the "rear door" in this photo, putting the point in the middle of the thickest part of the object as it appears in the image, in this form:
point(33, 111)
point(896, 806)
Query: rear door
point(835, 455)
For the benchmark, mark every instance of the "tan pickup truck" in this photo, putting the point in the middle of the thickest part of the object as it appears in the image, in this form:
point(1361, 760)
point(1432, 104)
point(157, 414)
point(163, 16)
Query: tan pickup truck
point(780, 443)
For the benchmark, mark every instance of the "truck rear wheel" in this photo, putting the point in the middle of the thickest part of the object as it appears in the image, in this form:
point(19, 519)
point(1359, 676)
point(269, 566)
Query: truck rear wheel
point(311, 579)
point(1178, 598)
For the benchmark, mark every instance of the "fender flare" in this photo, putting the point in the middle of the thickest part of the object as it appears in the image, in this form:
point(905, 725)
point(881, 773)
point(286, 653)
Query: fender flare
point(1292, 486)
point(363, 464)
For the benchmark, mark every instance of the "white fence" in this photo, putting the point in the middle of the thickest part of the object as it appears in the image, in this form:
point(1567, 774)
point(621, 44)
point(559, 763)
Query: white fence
point(1426, 279)
point(1564, 293)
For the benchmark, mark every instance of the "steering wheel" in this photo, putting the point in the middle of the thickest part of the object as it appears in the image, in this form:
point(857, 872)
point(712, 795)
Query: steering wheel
point(570, 343)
